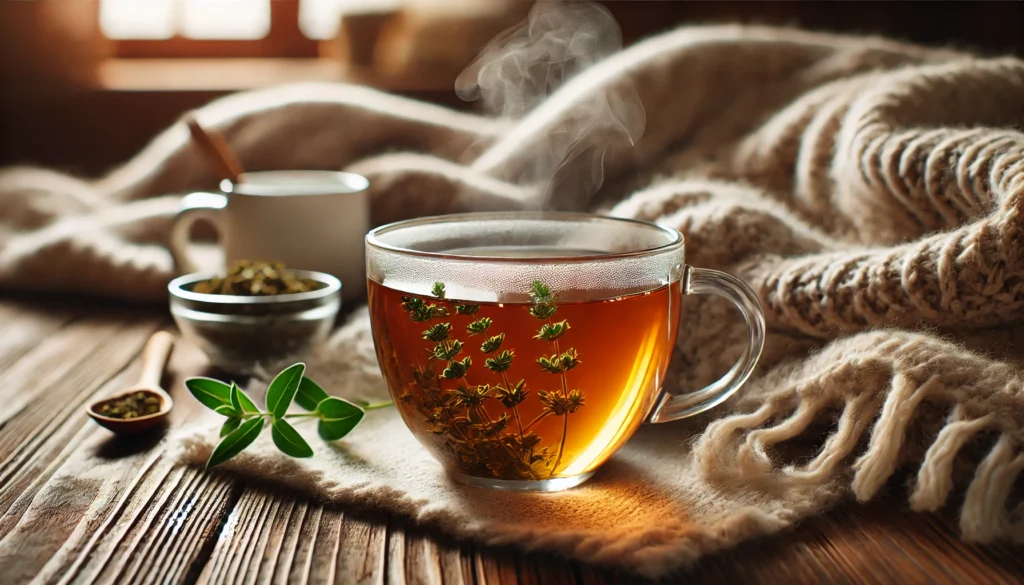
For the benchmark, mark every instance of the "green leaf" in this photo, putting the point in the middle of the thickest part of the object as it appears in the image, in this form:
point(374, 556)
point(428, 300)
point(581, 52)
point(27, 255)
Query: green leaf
point(230, 425)
point(552, 331)
point(310, 394)
point(236, 403)
point(420, 311)
point(478, 326)
point(236, 441)
point(540, 292)
point(457, 369)
point(512, 396)
point(550, 364)
point(438, 332)
point(493, 343)
point(227, 410)
point(569, 359)
point(466, 309)
point(438, 290)
point(445, 352)
point(543, 311)
point(246, 403)
point(211, 393)
point(288, 440)
point(500, 362)
point(283, 389)
point(337, 418)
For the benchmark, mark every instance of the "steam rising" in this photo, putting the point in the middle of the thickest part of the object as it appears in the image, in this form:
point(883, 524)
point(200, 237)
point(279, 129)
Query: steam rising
point(524, 65)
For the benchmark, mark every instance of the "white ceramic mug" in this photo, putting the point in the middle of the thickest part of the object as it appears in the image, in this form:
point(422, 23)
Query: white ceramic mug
point(309, 220)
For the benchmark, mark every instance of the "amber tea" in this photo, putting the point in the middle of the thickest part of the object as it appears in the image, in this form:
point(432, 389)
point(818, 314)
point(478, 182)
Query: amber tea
point(524, 348)
point(523, 390)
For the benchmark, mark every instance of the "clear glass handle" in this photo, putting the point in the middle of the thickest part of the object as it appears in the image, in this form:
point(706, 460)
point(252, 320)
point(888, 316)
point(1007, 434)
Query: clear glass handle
point(704, 281)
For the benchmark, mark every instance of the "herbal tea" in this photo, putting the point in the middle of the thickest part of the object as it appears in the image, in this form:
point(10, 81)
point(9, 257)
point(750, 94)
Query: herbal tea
point(532, 389)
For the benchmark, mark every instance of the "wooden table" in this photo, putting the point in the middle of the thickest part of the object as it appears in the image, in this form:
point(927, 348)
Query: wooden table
point(80, 507)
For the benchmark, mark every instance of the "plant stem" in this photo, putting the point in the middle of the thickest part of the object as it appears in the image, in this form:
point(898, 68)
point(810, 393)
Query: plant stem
point(303, 415)
point(249, 415)
point(376, 405)
point(561, 444)
point(536, 420)
point(515, 407)
point(565, 416)
point(481, 410)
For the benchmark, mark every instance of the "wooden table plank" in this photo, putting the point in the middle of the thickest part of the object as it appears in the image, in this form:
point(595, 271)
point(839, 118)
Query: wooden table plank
point(49, 408)
point(416, 557)
point(496, 566)
point(23, 325)
point(121, 485)
point(301, 548)
point(273, 538)
point(538, 570)
point(78, 506)
point(361, 554)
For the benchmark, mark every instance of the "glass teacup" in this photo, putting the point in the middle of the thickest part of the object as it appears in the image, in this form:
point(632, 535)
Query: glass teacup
point(523, 349)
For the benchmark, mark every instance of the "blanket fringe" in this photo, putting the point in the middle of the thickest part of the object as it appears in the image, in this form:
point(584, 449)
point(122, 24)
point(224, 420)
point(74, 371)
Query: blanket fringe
point(935, 478)
point(737, 449)
point(879, 462)
point(852, 423)
point(984, 516)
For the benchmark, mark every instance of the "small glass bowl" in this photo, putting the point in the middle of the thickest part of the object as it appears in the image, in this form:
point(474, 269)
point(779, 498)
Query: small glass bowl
point(246, 334)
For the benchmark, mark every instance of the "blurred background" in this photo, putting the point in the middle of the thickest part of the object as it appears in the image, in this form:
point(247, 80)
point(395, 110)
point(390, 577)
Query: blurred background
point(86, 83)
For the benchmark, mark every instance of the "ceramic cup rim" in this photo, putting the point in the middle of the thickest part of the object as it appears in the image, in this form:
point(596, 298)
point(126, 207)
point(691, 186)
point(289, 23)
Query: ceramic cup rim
point(293, 183)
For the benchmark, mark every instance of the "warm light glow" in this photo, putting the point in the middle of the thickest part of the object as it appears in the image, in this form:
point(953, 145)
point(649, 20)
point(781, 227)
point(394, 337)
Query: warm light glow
point(319, 19)
point(138, 19)
point(614, 428)
point(225, 19)
point(199, 19)
point(231, 19)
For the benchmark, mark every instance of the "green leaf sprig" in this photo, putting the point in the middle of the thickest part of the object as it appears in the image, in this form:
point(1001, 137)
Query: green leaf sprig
point(244, 420)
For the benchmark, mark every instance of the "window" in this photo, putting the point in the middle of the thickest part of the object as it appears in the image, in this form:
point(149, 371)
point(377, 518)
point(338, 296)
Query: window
point(271, 28)
point(239, 20)
point(195, 19)
point(225, 28)
point(319, 19)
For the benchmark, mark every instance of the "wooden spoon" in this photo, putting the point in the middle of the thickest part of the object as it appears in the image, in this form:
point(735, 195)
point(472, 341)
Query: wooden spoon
point(154, 357)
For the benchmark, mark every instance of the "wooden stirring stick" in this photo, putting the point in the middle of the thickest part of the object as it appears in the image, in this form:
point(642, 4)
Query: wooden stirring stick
point(224, 161)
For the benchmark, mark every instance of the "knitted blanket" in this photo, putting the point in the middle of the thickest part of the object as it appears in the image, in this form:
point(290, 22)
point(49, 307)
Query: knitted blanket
point(871, 192)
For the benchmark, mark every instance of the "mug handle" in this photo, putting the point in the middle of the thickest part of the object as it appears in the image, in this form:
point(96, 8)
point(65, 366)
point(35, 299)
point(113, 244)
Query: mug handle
point(194, 206)
point(704, 281)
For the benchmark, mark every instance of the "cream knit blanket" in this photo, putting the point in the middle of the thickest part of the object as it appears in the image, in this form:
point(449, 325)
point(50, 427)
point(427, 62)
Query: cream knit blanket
point(871, 192)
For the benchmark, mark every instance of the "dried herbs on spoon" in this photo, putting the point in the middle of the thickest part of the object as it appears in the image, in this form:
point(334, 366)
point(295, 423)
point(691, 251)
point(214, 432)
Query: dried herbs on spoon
point(132, 405)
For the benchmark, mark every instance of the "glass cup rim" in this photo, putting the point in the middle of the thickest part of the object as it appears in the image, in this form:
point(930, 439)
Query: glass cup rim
point(373, 240)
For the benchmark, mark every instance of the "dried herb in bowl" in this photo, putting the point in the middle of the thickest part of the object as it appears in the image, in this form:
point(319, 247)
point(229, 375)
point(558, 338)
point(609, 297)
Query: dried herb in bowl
point(255, 278)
